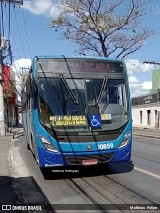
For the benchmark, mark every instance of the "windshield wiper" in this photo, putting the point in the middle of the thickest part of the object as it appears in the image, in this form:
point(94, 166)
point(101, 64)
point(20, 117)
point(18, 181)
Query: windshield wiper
point(69, 89)
point(104, 108)
point(101, 90)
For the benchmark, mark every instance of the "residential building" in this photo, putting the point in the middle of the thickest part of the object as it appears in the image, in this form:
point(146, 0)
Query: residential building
point(146, 109)
point(11, 108)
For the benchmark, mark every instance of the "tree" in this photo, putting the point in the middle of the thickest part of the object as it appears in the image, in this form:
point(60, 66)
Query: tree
point(104, 27)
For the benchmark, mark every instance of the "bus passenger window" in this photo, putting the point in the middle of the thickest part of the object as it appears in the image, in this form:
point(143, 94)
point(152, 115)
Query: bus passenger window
point(28, 104)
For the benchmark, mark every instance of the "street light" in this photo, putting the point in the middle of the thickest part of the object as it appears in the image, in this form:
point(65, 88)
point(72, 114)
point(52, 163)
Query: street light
point(35, 33)
point(43, 28)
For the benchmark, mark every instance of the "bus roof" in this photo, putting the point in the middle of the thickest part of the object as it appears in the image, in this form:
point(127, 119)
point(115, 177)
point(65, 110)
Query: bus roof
point(76, 57)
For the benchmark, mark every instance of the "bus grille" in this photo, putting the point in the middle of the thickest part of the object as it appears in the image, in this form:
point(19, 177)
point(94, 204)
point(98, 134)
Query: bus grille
point(87, 138)
point(77, 159)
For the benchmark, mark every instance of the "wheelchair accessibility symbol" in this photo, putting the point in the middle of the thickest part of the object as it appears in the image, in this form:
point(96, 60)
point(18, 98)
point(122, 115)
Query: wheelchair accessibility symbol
point(95, 121)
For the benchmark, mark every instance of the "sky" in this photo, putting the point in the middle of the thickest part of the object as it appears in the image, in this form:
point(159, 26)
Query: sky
point(30, 35)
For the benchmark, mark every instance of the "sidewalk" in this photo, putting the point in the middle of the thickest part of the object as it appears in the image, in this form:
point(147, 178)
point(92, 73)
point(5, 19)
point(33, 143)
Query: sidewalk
point(146, 132)
point(7, 191)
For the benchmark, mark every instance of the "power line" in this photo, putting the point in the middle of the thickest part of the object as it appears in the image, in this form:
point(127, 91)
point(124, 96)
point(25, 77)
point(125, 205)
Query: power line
point(26, 32)
point(2, 20)
point(2, 48)
point(151, 62)
point(19, 2)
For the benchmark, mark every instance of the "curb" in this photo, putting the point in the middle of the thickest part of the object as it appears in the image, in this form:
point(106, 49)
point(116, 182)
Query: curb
point(147, 136)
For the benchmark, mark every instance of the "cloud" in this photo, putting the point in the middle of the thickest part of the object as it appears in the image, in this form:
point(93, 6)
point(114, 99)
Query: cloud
point(147, 85)
point(41, 7)
point(133, 82)
point(138, 88)
point(134, 66)
point(133, 79)
point(20, 68)
point(138, 92)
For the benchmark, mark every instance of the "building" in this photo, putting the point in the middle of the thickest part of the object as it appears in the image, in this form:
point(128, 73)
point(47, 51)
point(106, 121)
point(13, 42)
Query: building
point(146, 109)
point(155, 80)
point(11, 108)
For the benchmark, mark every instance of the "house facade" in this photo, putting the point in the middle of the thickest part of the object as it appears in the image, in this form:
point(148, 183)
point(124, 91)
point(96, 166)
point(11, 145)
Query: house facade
point(11, 108)
point(146, 111)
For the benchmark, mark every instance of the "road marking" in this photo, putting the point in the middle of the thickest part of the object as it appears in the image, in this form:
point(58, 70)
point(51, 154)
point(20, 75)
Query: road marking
point(148, 173)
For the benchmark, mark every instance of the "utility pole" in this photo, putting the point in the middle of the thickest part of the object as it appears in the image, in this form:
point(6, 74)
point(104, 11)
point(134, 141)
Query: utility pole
point(3, 45)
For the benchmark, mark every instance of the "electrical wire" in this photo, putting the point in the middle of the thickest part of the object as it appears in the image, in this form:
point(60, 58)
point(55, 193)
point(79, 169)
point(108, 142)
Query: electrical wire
point(15, 68)
point(19, 32)
point(14, 42)
point(2, 21)
point(157, 84)
point(26, 32)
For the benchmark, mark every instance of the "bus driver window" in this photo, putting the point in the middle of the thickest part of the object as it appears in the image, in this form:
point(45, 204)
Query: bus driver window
point(113, 95)
point(44, 112)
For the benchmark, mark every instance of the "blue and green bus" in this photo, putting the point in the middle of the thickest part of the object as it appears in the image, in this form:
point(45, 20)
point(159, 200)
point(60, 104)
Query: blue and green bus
point(77, 111)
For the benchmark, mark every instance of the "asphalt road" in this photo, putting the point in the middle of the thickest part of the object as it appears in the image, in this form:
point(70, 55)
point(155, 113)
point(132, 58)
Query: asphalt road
point(136, 182)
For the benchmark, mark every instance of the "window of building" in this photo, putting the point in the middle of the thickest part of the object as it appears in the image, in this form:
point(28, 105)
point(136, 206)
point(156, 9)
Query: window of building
point(140, 117)
point(149, 117)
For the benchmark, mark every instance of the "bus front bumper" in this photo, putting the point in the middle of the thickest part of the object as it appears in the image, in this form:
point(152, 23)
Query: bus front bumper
point(51, 159)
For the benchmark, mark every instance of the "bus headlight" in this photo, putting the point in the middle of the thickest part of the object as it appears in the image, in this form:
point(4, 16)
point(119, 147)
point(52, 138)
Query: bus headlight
point(48, 145)
point(125, 140)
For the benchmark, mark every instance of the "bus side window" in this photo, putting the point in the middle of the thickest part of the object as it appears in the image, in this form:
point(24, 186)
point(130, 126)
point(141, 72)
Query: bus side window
point(23, 106)
point(23, 102)
point(28, 104)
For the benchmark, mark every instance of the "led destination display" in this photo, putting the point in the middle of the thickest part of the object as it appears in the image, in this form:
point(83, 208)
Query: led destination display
point(71, 65)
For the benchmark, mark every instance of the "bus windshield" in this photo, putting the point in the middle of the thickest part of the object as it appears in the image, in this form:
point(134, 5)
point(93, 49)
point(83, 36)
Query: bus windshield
point(66, 103)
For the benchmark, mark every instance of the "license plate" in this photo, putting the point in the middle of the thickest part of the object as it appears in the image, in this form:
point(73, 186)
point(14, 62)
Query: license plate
point(89, 162)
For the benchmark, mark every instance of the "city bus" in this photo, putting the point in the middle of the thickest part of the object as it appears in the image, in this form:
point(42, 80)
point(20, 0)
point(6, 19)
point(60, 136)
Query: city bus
point(77, 111)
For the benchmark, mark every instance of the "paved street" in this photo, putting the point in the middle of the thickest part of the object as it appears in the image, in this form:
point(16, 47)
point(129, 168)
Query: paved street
point(136, 182)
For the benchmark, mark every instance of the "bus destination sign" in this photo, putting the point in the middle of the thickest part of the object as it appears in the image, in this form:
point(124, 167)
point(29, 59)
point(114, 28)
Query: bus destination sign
point(71, 65)
point(68, 120)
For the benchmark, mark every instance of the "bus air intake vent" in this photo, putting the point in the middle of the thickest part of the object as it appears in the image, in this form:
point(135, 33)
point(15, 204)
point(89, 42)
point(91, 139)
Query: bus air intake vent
point(87, 138)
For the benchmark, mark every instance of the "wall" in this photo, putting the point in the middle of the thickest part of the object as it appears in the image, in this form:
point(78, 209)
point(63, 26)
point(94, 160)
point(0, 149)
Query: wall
point(154, 117)
point(9, 95)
